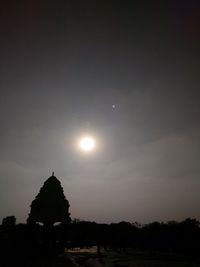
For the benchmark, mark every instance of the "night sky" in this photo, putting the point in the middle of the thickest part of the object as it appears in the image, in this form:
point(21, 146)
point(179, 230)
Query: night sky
point(63, 65)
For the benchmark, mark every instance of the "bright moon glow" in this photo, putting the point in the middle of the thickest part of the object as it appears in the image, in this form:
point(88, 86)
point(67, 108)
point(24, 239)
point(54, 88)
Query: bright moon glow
point(87, 143)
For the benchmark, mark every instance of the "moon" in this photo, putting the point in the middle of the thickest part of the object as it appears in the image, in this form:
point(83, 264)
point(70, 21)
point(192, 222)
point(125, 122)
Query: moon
point(87, 144)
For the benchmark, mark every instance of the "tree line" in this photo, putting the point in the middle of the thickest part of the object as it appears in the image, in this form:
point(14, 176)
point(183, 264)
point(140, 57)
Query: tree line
point(170, 237)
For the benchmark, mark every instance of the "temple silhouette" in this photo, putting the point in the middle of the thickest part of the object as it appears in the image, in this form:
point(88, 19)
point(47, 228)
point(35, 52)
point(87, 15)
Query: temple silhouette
point(50, 205)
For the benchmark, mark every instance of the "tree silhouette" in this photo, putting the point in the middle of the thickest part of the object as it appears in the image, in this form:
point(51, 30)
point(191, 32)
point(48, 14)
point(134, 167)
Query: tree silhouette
point(50, 205)
point(9, 221)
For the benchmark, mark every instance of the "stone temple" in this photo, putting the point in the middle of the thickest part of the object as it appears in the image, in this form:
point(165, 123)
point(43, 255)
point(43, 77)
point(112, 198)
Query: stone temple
point(50, 205)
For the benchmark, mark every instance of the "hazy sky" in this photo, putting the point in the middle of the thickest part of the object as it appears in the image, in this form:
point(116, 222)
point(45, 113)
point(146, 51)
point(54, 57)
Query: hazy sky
point(62, 67)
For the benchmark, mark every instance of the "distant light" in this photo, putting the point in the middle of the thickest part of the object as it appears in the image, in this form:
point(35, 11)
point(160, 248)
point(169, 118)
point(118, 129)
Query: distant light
point(113, 106)
point(87, 143)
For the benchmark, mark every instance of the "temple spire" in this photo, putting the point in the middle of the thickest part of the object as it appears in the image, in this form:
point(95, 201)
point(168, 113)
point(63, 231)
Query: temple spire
point(50, 204)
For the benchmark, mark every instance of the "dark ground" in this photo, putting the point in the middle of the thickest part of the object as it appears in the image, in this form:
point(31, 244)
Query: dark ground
point(133, 259)
point(110, 259)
